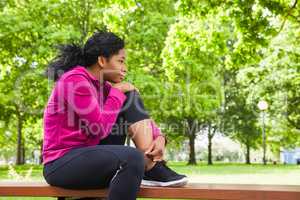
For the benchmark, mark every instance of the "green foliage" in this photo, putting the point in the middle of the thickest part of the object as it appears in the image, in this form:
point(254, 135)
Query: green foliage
point(206, 62)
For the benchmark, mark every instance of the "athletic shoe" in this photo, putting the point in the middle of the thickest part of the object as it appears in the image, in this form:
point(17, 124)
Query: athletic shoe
point(161, 175)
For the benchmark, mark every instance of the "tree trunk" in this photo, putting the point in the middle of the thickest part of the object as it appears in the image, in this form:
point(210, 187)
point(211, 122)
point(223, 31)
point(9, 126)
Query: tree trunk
point(192, 155)
point(209, 146)
point(248, 154)
point(192, 137)
point(20, 146)
point(23, 152)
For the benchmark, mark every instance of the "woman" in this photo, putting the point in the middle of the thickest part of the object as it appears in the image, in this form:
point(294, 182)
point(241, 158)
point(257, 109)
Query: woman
point(89, 114)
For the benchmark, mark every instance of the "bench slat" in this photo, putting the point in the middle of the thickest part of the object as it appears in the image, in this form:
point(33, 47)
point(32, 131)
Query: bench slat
point(190, 191)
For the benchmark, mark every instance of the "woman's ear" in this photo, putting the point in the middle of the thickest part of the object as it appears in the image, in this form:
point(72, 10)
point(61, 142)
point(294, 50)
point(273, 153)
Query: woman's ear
point(101, 61)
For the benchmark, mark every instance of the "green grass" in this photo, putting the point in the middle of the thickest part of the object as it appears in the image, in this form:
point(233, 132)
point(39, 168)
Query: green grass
point(241, 173)
point(202, 173)
point(220, 169)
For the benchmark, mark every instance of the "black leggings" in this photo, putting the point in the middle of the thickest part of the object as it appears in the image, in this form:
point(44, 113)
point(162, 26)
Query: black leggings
point(108, 164)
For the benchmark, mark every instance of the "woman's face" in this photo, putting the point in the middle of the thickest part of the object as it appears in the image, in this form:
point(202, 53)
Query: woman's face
point(114, 68)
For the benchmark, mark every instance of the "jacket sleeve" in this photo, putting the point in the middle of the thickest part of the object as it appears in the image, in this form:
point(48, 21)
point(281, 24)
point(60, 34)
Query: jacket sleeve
point(81, 96)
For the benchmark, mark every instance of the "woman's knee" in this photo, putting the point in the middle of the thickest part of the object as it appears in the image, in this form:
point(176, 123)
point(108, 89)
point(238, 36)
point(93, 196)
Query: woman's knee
point(131, 92)
point(133, 109)
point(133, 97)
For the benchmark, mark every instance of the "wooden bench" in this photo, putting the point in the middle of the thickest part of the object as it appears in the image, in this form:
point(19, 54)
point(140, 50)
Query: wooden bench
point(190, 191)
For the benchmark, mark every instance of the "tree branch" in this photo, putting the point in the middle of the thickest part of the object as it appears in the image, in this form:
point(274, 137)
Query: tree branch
point(287, 15)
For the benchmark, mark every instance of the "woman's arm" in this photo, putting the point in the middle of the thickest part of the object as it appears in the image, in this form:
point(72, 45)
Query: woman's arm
point(81, 97)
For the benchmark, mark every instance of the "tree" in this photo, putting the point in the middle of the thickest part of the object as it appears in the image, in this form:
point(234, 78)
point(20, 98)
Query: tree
point(191, 59)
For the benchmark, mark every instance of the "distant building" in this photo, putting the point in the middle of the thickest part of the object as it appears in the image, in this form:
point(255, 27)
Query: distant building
point(290, 156)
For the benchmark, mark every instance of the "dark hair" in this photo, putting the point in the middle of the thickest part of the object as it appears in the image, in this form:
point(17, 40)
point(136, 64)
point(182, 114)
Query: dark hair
point(101, 43)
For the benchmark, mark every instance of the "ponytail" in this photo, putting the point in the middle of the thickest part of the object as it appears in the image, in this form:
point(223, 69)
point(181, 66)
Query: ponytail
point(101, 43)
point(68, 57)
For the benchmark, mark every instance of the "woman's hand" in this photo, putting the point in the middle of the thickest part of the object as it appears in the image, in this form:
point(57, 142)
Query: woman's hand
point(156, 150)
point(125, 87)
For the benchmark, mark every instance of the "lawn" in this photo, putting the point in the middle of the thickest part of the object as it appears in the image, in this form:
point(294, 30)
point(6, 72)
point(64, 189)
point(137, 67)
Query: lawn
point(218, 173)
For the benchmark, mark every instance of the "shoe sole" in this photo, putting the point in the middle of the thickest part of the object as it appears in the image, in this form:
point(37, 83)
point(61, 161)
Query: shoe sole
point(180, 182)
